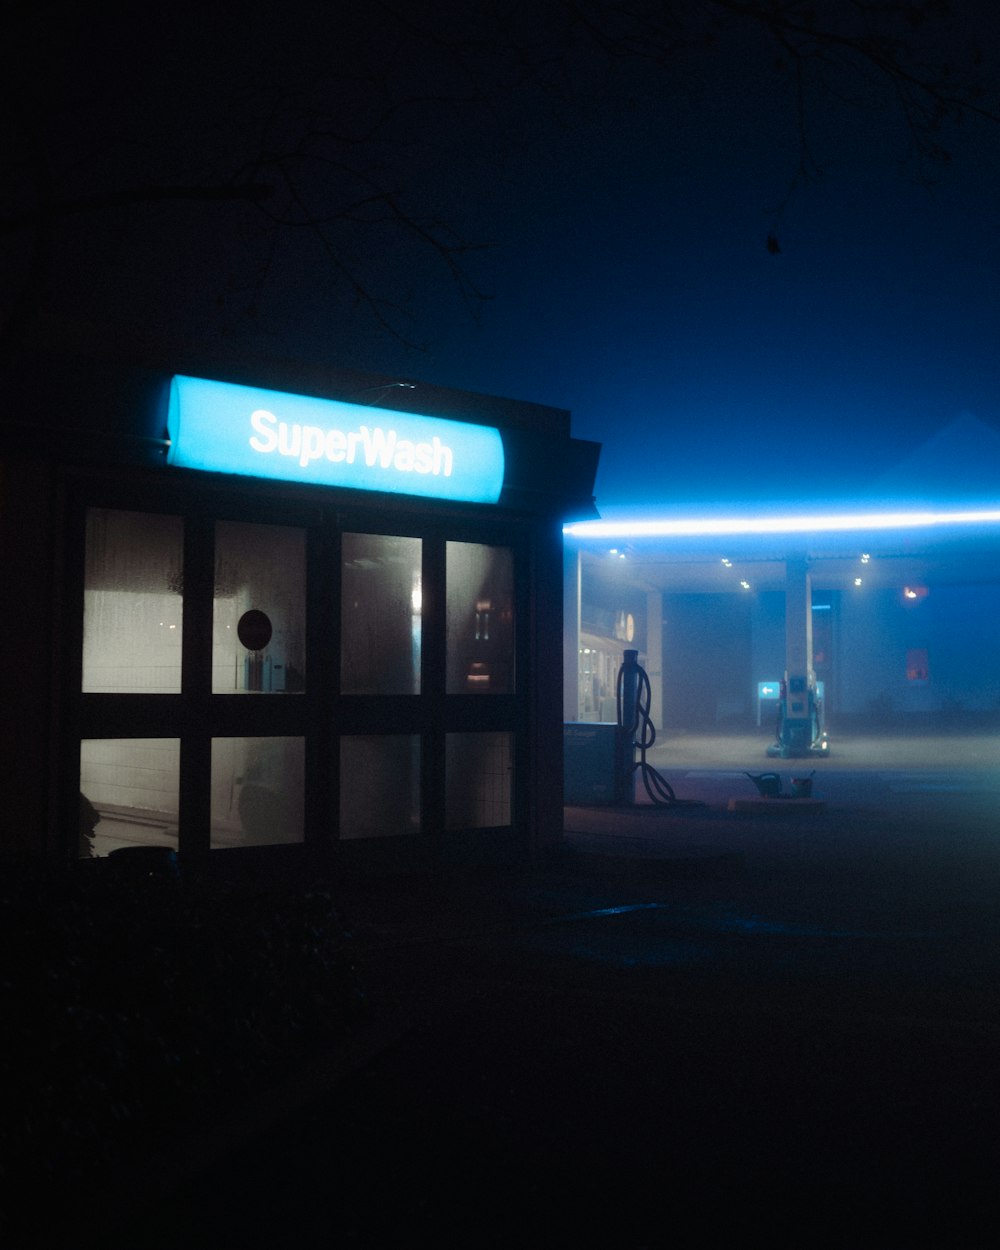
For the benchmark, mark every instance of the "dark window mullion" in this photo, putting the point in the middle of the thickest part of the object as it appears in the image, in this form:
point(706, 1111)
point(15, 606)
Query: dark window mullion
point(323, 622)
point(526, 679)
point(381, 714)
point(199, 586)
point(432, 685)
point(194, 797)
point(194, 815)
point(129, 716)
point(323, 577)
point(66, 773)
point(486, 713)
point(258, 715)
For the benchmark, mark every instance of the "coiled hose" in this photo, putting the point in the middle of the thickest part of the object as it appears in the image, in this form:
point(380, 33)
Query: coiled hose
point(643, 733)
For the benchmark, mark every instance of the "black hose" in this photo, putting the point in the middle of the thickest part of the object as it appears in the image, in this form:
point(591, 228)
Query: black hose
point(643, 733)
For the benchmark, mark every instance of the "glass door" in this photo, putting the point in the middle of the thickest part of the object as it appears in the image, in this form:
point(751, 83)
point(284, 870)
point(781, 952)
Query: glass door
point(151, 581)
point(247, 683)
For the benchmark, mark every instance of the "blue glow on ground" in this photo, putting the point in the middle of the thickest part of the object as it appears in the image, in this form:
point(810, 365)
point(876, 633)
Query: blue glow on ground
point(611, 911)
point(647, 949)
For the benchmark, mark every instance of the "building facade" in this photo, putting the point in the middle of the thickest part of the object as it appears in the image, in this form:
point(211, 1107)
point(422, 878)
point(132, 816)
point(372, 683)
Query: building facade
point(267, 610)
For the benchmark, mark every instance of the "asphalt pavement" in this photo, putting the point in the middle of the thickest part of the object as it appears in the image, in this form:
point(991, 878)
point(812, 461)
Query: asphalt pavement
point(690, 1024)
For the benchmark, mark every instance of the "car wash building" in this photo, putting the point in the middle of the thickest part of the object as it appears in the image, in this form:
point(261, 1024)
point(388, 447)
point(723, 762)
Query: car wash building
point(258, 612)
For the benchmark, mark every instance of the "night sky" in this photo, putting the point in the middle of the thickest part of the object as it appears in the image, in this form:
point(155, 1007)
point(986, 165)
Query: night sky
point(626, 210)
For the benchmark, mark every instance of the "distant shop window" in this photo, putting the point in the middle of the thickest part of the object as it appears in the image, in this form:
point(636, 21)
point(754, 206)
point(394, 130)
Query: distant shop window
point(480, 615)
point(379, 785)
point(478, 773)
point(258, 638)
point(257, 791)
point(917, 668)
point(597, 679)
point(381, 614)
point(132, 603)
point(128, 794)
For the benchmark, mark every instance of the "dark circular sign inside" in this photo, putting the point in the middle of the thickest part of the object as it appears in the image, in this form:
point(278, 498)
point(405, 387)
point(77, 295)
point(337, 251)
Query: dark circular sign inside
point(254, 630)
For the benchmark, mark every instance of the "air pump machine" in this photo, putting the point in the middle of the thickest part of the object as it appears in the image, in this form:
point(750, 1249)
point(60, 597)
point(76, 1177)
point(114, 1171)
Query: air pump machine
point(636, 732)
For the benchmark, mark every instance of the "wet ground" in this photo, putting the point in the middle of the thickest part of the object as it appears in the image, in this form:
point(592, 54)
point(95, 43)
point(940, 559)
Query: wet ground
point(690, 1026)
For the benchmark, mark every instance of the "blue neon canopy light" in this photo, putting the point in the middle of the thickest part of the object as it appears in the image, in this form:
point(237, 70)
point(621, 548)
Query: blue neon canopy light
point(223, 428)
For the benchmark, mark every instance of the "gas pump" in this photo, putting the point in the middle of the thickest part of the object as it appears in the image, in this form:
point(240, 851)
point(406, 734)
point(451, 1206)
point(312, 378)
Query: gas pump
point(636, 731)
point(800, 730)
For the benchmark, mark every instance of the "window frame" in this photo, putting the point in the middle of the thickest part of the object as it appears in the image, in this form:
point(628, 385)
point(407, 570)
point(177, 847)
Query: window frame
point(321, 714)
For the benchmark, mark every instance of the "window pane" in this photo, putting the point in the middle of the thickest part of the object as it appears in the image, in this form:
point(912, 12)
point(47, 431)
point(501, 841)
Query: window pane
point(379, 786)
point(917, 667)
point(480, 640)
point(257, 791)
point(258, 642)
point(478, 772)
point(132, 603)
point(128, 793)
point(380, 614)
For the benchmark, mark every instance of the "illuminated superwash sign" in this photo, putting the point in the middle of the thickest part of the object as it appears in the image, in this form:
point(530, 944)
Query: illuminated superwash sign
point(223, 428)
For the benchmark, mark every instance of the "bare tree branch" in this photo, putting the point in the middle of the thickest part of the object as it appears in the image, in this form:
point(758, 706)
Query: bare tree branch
point(324, 136)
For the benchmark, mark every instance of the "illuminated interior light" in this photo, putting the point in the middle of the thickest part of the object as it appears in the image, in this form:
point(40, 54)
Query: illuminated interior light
point(745, 585)
point(727, 563)
point(857, 581)
point(809, 524)
point(478, 676)
point(909, 593)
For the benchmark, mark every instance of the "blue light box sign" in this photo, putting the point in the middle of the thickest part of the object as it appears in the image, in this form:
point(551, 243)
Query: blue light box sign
point(223, 428)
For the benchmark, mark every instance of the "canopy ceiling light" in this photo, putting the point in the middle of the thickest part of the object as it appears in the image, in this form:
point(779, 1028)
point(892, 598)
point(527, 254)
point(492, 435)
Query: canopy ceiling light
point(808, 524)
